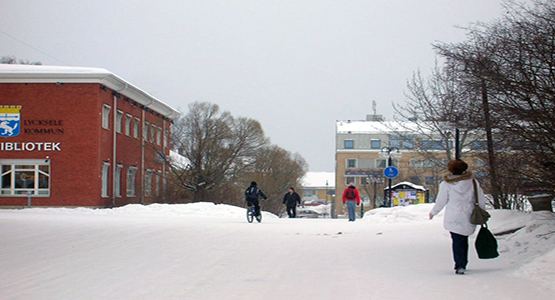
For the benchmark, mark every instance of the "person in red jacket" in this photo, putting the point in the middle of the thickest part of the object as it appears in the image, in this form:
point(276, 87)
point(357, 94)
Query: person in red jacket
point(351, 198)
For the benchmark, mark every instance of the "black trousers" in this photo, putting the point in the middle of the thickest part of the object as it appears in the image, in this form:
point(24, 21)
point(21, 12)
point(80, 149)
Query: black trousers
point(292, 211)
point(460, 250)
point(251, 202)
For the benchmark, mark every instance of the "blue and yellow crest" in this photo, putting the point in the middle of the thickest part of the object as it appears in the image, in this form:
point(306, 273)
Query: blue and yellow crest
point(10, 120)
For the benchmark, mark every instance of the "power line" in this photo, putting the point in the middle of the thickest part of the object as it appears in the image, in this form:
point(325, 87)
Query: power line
point(34, 48)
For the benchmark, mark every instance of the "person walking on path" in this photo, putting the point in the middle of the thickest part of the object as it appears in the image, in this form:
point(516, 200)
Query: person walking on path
point(351, 198)
point(252, 194)
point(456, 195)
point(291, 200)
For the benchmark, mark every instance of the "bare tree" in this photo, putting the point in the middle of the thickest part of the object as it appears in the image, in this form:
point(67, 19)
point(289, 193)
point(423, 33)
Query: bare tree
point(275, 170)
point(511, 62)
point(217, 146)
point(12, 60)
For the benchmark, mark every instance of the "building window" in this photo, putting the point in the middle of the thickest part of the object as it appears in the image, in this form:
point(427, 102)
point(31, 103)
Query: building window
point(148, 183)
point(152, 133)
point(351, 163)
point(145, 131)
point(401, 141)
point(118, 180)
point(128, 119)
point(105, 177)
point(349, 144)
point(119, 118)
point(381, 163)
point(106, 116)
point(349, 179)
point(158, 136)
point(158, 188)
point(436, 144)
point(428, 163)
point(375, 144)
point(20, 177)
point(136, 128)
point(131, 175)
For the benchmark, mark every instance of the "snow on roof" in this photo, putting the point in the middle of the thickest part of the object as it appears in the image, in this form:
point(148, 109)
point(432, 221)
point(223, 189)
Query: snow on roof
point(13, 73)
point(414, 186)
point(319, 179)
point(374, 126)
point(178, 160)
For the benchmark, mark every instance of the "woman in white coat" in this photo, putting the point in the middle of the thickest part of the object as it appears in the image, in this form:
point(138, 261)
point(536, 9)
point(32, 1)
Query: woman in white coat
point(456, 195)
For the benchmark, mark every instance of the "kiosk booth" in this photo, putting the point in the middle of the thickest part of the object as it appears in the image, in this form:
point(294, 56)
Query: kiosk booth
point(407, 193)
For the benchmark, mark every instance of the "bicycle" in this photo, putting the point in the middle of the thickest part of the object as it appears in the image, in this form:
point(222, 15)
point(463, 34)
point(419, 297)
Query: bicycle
point(251, 214)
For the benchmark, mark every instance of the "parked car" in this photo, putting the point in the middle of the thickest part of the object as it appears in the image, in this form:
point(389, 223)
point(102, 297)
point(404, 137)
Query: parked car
point(307, 213)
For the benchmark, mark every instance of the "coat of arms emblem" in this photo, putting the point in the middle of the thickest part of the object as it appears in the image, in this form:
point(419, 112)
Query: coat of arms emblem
point(10, 120)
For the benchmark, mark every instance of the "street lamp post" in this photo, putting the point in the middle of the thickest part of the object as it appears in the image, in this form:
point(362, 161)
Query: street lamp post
point(448, 127)
point(457, 145)
point(390, 152)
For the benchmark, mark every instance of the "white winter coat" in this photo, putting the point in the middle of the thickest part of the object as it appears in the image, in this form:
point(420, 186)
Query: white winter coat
point(456, 194)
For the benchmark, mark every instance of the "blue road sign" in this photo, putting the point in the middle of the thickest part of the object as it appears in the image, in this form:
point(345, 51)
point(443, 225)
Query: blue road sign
point(391, 172)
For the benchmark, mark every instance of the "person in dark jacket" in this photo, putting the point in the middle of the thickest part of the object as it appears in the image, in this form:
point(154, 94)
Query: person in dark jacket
point(252, 194)
point(291, 200)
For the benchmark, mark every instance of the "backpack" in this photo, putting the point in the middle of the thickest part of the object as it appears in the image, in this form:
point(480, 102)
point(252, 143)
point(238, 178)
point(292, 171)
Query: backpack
point(350, 194)
point(252, 192)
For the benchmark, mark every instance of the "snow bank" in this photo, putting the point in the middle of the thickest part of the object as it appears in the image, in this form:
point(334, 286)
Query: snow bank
point(526, 239)
point(198, 210)
point(395, 214)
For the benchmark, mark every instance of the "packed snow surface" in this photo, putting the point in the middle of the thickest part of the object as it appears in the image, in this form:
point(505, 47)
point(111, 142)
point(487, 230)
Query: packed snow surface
point(207, 251)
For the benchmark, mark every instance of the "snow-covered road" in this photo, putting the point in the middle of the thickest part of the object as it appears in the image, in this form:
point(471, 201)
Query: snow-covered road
point(85, 254)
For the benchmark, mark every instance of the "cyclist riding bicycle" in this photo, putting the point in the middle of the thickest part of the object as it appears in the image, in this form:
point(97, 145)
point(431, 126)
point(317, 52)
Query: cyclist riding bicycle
point(251, 196)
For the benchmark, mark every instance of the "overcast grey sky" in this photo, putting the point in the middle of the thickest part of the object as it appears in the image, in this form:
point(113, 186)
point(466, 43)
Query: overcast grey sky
point(295, 66)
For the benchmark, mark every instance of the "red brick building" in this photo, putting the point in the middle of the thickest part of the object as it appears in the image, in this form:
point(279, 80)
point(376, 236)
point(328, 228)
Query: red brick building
point(79, 137)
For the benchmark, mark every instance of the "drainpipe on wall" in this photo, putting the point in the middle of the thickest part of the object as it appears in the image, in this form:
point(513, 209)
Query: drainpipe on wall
point(115, 145)
point(143, 139)
point(114, 151)
point(164, 141)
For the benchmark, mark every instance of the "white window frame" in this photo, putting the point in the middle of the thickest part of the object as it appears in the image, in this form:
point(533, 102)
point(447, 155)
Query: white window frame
point(349, 179)
point(158, 136)
point(148, 182)
point(158, 188)
point(106, 109)
point(119, 118)
point(118, 180)
point(21, 177)
point(105, 179)
point(152, 133)
point(128, 121)
point(146, 125)
point(131, 178)
point(136, 127)
point(349, 160)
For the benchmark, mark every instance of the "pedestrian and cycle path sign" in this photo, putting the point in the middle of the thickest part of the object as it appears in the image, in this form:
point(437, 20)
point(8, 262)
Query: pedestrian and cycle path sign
point(391, 172)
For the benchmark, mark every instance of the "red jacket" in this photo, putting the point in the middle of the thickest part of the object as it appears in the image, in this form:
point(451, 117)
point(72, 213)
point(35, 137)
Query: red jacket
point(357, 195)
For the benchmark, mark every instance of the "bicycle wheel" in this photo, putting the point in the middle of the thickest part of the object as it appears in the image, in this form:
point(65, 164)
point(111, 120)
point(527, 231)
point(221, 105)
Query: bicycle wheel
point(250, 214)
point(259, 217)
